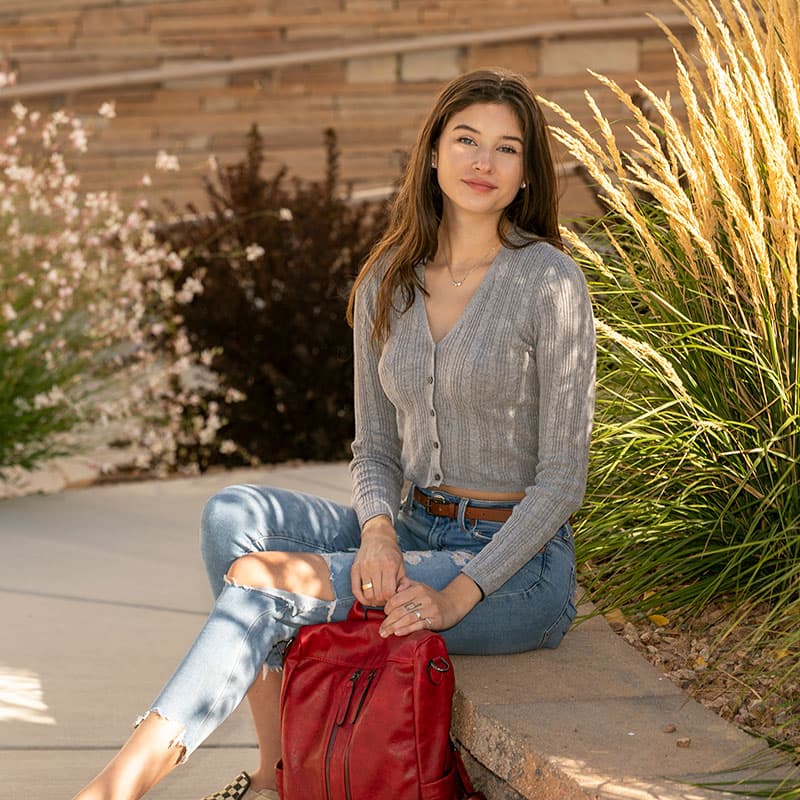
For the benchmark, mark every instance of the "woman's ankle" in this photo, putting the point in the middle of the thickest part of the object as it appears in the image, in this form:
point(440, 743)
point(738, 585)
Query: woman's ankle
point(263, 778)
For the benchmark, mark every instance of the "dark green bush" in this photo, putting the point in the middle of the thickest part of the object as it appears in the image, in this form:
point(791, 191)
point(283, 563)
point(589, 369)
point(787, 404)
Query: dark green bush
point(276, 257)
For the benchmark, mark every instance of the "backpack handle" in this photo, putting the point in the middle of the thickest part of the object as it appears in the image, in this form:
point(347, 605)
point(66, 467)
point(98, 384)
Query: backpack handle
point(366, 613)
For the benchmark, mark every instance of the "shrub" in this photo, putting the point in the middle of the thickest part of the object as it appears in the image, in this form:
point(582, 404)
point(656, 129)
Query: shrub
point(84, 291)
point(276, 258)
point(695, 478)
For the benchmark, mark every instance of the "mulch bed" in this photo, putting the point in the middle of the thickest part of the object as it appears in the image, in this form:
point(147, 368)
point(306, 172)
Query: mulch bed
point(720, 670)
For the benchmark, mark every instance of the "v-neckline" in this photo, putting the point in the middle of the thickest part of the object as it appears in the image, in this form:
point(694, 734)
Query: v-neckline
point(481, 288)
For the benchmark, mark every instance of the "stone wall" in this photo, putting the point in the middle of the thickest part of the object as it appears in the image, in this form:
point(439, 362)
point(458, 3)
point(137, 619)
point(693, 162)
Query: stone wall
point(375, 103)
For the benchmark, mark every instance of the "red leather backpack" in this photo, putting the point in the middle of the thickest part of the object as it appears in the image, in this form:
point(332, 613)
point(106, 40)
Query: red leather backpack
point(366, 718)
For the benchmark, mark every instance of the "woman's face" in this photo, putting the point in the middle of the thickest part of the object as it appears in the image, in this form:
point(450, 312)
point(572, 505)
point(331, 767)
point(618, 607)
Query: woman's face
point(479, 160)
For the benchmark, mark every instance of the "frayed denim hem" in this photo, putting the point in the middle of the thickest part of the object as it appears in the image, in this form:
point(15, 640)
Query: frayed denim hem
point(175, 741)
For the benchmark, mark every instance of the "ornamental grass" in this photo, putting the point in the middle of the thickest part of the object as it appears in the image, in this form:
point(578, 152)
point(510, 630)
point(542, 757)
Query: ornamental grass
point(695, 482)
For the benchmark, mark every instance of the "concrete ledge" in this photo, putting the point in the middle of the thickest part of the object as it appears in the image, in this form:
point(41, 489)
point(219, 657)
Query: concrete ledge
point(589, 719)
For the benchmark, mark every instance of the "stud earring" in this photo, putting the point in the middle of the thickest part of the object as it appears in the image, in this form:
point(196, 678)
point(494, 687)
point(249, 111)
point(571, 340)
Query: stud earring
point(523, 185)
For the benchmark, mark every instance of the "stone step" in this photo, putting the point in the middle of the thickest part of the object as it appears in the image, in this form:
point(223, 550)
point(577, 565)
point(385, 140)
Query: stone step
point(592, 719)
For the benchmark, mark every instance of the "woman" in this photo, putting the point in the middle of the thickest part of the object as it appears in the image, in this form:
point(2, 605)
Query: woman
point(474, 375)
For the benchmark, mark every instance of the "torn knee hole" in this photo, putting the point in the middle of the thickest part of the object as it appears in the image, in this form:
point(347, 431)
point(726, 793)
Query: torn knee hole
point(248, 572)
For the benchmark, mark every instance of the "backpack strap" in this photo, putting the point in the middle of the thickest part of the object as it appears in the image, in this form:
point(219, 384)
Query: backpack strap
point(365, 613)
point(467, 792)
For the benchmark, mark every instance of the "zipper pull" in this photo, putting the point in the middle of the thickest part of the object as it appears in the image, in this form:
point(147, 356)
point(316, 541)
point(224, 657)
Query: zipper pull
point(352, 680)
point(363, 696)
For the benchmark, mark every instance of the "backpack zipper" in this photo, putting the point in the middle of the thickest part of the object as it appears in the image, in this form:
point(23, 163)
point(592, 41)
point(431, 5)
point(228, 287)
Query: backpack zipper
point(352, 680)
point(370, 678)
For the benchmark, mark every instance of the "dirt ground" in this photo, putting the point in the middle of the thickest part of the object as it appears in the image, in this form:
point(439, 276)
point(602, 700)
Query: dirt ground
point(740, 684)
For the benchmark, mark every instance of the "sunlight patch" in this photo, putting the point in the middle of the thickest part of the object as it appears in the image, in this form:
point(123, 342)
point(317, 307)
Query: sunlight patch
point(21, 697)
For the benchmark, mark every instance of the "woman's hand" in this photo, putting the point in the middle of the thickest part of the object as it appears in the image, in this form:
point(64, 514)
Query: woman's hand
point(417, 607)
point(379, 566)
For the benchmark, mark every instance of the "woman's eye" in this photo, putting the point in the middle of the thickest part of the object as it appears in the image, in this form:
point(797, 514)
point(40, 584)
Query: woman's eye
point(465, 140)
point(507, 148)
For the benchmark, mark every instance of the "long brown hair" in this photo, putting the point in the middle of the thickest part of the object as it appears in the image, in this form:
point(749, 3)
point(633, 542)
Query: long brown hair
point(412, 235)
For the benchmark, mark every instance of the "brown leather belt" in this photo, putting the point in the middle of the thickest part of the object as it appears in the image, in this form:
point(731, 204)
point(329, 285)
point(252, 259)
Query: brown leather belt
point(439, 507)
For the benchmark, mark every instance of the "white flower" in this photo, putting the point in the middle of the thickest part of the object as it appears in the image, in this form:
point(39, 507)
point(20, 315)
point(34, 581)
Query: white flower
point(181, 344)
point(166, 162)
point(146, 180)
point(18, 110)
point(174, 262)
point(8, 312)
point(254, 251)
point(190, 288)
point(78, 139)
point(234, 396)
point(227, 446)
point(207, 357)
point(108, 110)
point(285, 215)
point(49, 399)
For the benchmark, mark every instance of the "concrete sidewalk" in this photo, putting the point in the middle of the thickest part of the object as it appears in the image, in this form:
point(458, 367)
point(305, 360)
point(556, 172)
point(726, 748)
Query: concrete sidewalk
point(102, 590)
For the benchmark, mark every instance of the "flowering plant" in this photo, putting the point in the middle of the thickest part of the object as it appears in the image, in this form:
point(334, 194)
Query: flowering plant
point(85, 297)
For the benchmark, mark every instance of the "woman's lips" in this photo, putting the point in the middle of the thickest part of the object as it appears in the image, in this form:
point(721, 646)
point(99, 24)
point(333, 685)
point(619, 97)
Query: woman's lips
point(480, 186)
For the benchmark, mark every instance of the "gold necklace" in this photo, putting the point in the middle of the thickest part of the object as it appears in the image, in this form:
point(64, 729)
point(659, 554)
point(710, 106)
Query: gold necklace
point(487, 256)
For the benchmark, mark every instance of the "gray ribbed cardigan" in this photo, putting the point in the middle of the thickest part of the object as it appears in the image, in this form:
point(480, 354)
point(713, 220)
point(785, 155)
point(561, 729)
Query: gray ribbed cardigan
point(503, 402)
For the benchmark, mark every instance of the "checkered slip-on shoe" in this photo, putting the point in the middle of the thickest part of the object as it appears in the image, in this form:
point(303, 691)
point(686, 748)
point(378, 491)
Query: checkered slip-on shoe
point(238, 789)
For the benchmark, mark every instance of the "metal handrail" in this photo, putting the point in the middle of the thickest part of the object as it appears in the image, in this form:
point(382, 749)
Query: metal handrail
point(542, 30)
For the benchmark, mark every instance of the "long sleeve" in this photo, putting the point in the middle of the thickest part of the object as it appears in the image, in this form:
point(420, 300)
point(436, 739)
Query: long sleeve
point(376, 466)
point(563, 341)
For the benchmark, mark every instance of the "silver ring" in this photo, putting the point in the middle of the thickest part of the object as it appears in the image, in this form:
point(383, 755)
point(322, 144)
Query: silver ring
point(411, 605)
point(366, 586)
point(428, 622)
point(418, 614)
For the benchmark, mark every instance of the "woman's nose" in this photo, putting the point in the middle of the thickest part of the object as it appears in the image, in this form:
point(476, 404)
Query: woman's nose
point(483, 160)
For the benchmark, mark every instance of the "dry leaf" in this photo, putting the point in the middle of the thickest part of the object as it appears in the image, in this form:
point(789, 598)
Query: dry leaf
point(658, 619)
point(615, 618)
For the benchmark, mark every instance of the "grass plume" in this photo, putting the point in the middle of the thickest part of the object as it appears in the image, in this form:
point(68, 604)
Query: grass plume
point(695, 485)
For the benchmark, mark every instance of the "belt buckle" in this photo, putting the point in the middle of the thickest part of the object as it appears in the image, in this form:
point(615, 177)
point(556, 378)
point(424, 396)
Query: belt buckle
point(439, 499)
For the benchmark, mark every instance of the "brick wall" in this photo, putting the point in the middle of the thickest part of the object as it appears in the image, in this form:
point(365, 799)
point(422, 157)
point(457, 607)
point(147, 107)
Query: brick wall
point(375, 104)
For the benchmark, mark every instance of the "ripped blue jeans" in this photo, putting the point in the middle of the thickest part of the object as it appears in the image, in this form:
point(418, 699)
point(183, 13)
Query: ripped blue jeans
point(248, 628)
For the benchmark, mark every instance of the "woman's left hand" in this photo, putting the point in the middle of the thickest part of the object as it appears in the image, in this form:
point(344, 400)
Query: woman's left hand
point(415, 607)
